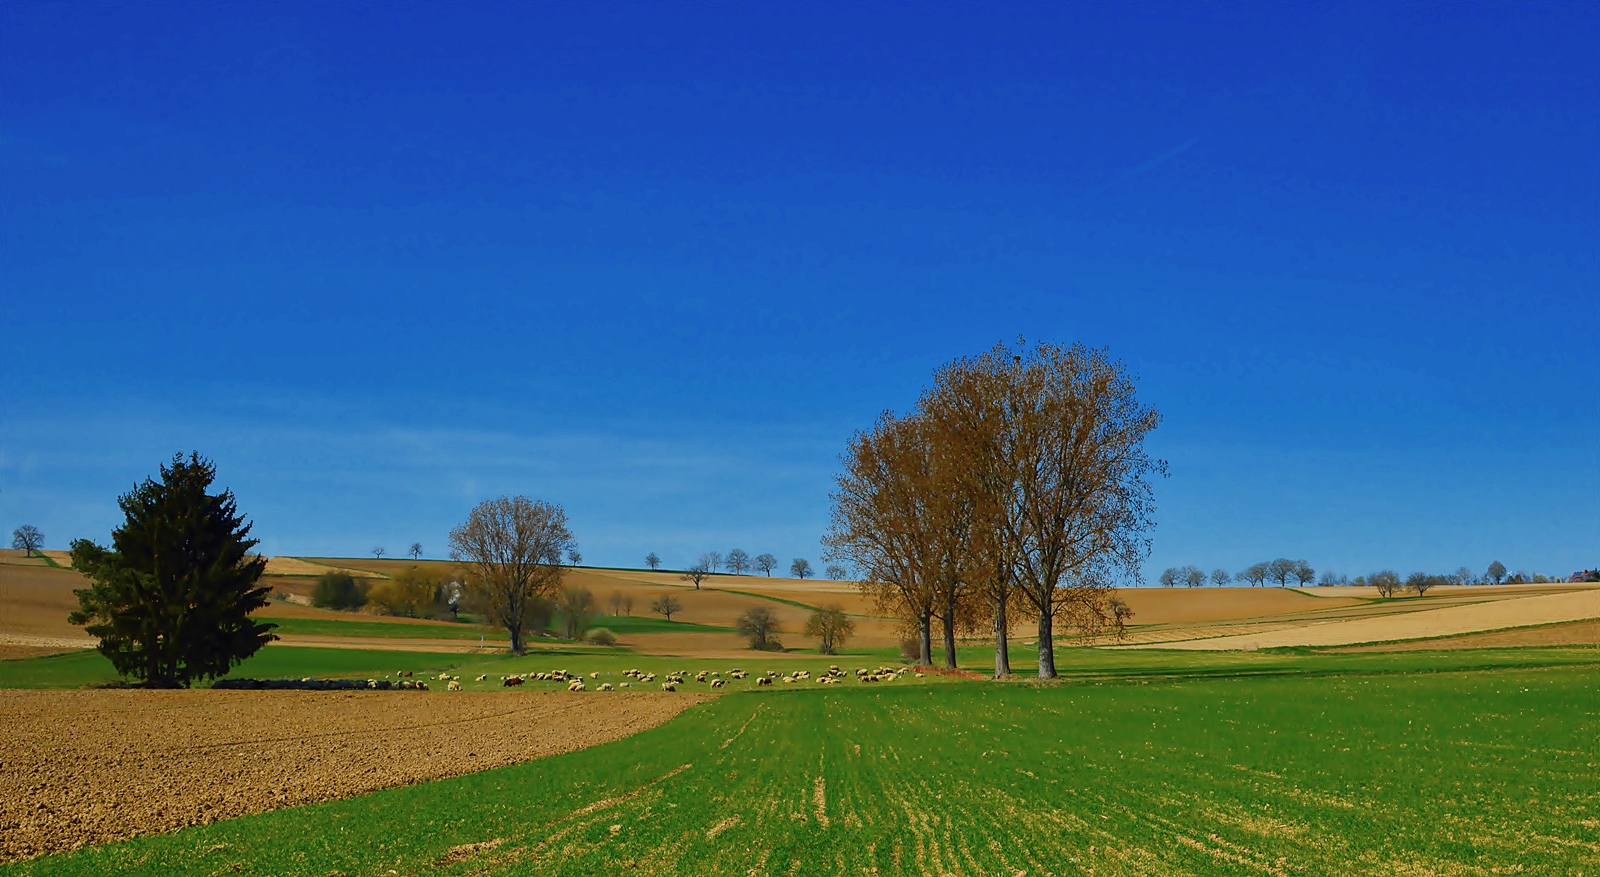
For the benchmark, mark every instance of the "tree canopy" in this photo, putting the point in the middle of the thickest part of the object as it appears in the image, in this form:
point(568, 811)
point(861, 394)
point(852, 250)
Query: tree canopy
point(171, 599)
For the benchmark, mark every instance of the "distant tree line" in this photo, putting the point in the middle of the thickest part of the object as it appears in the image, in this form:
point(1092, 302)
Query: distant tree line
point(1283, 571)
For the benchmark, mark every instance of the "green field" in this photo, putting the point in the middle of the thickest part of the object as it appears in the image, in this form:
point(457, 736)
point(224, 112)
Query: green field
point(90, 668)
point(1369, 773)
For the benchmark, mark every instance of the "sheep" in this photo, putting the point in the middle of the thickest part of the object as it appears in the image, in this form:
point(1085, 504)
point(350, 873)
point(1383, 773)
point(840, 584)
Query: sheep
point(483, 677)
point(453, 686)
point(595, 675)
point(606, 686)
point(668, 686)
point(716, 683)
point(575, 685)
point(422, 686)
point(444, 677)
point(624, 684)
point(763, 680)
point(700, 677)
point(510, 681)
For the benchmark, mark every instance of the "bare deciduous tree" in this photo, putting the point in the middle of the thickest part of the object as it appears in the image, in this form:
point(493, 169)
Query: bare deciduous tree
point(378, 552)
point(1497, 572)
point(415, 551)
point(800, 568)
point(627, 604)
point(616, 602)
point(1194, 577)
point(760, 626)
point(737, 561)
point(1386, 581)
point(712, 560)
point(1220, 577)
point(1281, 571)
point(1256, 574)
point(27, 539)
point(697, 572)
point(575, 603)
point(511, 550)
point(1303, 573)
point(766, 563)
point(652, 560)
point(1169, 577)
point(836, 572)
point(831, 627)
point(667, 605)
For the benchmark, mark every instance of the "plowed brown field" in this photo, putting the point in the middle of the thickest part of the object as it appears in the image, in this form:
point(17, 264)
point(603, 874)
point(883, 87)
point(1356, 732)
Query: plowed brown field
point(88, 767)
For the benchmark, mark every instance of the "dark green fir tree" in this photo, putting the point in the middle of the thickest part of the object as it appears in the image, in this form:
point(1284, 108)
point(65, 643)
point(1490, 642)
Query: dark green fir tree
point(171, 598)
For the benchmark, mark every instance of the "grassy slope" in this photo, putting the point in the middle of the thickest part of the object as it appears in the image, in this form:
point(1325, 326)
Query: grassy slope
point(1466, 772)
point(83, 668)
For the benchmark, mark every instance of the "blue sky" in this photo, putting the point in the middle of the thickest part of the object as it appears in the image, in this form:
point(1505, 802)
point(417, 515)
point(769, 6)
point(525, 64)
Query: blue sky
point(657, 262)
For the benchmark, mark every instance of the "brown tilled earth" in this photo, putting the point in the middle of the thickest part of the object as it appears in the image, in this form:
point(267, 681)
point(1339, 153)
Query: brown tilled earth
point(89, 767)
point(1577, 633)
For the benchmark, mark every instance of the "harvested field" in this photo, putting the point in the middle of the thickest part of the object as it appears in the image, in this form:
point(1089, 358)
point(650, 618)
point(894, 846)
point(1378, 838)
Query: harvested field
point(1577, 633)
point(1447, 621)
point(88, 767)
point(294, 566)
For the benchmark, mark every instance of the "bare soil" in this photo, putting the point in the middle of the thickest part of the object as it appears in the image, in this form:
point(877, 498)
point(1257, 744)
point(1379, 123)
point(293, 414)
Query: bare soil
point(90, 767)
point(1577, 633)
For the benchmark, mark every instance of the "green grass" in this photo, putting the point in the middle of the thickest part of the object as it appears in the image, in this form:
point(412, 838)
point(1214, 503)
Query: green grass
point(387, 629)
point(1432, 772)
point(89, 668)
point(646, 624)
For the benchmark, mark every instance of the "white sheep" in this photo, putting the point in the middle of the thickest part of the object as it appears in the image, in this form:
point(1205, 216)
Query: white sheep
point(716, 683)
point(483, 677)
point(575, 685)
point(668, 686)
point(453, 686)
point(763, 680)
point(606, 686)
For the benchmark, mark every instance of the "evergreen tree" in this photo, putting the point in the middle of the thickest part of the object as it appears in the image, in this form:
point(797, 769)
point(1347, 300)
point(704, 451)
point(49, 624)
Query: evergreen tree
point(171, 598)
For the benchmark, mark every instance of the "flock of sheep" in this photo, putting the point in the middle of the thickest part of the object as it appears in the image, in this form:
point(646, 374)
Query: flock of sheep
point(713, 678)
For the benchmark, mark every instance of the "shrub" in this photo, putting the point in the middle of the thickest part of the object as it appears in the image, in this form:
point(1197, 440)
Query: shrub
point(602, 637)
point(411, 592)
point(759, 625)
point(338, 590)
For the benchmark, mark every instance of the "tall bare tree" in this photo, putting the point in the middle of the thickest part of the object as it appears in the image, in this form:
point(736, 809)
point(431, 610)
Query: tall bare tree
point(697, 572)
point(1194, 576)
point(27, 539)
point(1281, 571)
point(511, 549)
point(652, 560)
point(879, 524)
point(800, 568)
point(737, 561)
point(1256, 574)
point(1303, 573)
point(1220, 577)
point(766, 563)
point(415, 551)
point(1084, 501)
point(712, 560)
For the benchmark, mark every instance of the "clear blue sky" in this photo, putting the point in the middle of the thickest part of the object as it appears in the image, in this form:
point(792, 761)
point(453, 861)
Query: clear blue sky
point(656, 262)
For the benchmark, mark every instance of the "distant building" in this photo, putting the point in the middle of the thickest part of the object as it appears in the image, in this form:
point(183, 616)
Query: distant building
point(1585, 575)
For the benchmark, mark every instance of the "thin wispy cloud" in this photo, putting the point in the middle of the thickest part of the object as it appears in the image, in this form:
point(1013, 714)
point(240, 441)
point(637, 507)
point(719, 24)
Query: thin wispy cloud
point(1136, 171)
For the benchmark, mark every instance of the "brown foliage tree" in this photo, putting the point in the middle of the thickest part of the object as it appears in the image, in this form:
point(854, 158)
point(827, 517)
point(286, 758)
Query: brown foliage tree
point(831, 627)
point(511, 549)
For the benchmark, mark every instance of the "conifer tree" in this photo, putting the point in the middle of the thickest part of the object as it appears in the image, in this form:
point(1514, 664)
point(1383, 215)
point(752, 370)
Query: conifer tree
point(171, 598)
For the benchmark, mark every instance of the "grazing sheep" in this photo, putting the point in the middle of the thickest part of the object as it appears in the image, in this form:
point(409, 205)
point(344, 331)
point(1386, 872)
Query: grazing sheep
point(575, 685)
point(595, 675)
point(444, 677)
point(624, 684)
point(483, 677)
point(403, 673)
point(422, 686)
point(510, 681)
point(700, 677)
point(453, 686)
point(919, 675)
point(763, 680)
point(606, 686)
point(668, 686)
point(716, 683)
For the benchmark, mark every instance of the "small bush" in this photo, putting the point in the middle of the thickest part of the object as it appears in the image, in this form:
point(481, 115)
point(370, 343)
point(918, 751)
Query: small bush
point(602, 637)
point(338, 590)
point(911, 649)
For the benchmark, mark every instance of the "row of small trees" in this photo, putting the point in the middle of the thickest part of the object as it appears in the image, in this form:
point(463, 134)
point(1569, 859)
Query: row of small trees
point(737, 562)
point(1282, 571)
point(1018, 483)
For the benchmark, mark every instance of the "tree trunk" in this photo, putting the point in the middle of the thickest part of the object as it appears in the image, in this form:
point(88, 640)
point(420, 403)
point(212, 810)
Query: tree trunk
point(515, 630)
point(1047, 646)
point(1002, 645)
point(925, 638)
point(950, 634)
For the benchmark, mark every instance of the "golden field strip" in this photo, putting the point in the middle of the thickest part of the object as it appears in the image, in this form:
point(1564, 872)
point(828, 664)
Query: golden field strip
point(36, 598)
